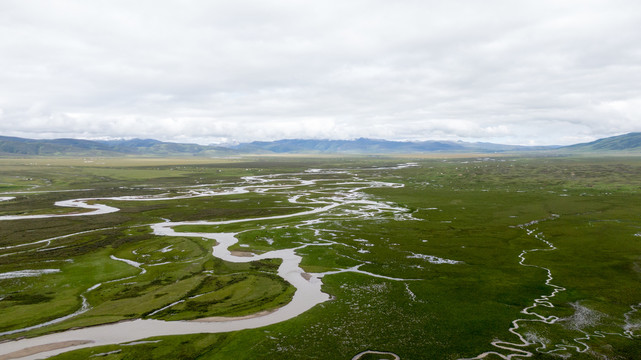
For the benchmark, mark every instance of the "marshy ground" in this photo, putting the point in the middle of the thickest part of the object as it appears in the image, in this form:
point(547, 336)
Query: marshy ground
point(445, 259)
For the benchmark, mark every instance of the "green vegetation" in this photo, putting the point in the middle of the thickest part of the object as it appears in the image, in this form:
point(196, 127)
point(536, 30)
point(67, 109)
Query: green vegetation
point(630, 142)
point(480, 214)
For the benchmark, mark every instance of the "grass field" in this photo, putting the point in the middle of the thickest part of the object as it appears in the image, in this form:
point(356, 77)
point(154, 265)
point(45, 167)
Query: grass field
point(538, 256)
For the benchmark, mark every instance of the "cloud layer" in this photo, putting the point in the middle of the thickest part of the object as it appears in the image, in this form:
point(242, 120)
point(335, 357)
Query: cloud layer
point(521, 72)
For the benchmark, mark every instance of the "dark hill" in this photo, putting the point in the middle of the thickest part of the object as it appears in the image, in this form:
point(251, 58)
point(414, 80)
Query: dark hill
point(13, 146)
point(630, 142)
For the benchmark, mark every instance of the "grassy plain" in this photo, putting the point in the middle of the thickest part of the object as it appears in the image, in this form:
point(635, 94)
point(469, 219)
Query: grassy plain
point(477, 211)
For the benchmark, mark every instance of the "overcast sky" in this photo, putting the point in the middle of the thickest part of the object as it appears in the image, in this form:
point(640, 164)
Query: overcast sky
point(515, 72)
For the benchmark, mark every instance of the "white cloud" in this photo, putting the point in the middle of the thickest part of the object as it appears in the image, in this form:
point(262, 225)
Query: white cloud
point(537, 72)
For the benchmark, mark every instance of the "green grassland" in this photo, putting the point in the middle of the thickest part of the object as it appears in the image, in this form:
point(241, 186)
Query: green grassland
point(479, 212)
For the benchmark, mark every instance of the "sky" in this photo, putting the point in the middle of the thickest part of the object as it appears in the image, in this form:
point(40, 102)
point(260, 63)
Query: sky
point(537, 72)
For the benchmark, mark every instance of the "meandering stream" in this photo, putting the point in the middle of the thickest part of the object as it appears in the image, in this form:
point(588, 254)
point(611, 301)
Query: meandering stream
point(308, 286)
point(520, 349)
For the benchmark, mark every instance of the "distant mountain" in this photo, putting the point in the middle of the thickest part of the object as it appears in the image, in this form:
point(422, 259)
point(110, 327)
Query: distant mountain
point(159, 148)
point(630, 142)
point(13, 146)
point(74, 147)
point(372, 146)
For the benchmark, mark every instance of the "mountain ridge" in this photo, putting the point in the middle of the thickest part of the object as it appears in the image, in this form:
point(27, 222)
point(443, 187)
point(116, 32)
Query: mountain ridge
point(78, 147)
point(15, 146)
point(374, 146)
point(626, 142)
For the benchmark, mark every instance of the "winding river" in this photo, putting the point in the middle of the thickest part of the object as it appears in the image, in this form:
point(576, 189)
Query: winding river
point(308, 286)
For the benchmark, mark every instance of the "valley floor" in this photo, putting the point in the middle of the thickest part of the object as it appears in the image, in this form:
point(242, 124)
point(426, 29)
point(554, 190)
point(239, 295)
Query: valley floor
point(452, 258)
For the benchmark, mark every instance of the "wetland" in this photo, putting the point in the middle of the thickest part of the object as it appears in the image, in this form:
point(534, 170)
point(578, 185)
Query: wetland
point(462, 257)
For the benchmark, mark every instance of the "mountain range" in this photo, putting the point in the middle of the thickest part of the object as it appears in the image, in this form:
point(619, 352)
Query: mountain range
point(15, 146)
point(77, 147)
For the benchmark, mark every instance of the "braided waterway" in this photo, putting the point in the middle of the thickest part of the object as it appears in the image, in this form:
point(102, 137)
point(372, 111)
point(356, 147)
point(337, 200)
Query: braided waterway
point(308, 286)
